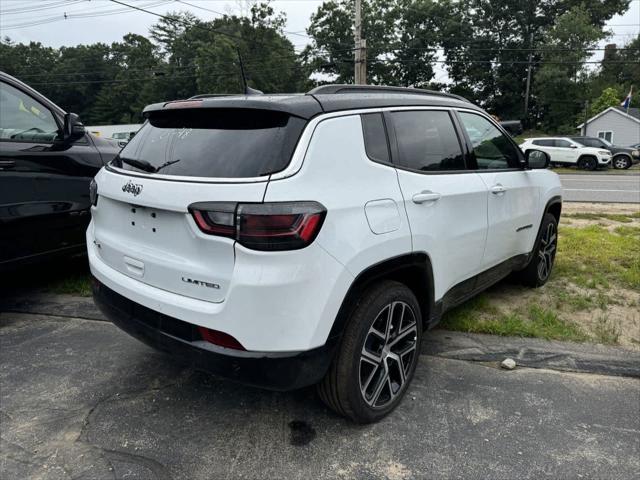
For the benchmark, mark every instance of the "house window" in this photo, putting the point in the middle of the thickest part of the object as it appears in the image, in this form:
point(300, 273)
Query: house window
point(607, 135)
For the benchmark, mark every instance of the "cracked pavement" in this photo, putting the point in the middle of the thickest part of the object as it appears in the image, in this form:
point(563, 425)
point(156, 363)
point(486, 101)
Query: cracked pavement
point(81, 400)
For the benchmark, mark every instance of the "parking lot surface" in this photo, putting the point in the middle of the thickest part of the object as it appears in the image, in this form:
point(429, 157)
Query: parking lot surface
point(601, 188)
point(79, 399)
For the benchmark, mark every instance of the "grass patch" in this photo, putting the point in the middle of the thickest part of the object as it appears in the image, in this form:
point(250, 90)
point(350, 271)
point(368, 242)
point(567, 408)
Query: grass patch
point(608, 171)
point(535, 321)
point(78, 284)
point(577, 302)
point(594, 267)
point(605, 332)
point(616, 217)
point(593, 257)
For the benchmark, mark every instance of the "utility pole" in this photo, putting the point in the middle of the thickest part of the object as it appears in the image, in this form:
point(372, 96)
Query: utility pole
point(360, 65)
point(586, 117)
point(528, 88)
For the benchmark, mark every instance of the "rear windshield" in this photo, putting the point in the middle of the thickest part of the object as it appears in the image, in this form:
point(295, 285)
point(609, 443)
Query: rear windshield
point(222, 143)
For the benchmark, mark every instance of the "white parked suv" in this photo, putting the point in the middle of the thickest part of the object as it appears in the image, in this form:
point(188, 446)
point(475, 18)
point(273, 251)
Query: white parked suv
point(290, 240)
point(565, 151)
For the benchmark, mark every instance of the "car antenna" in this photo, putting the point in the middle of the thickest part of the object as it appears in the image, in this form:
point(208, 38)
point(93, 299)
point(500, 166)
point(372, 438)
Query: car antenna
point(247, 89)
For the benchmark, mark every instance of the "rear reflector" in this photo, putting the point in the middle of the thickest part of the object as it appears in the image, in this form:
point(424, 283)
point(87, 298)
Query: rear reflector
point(262, 226)
point(220, 338)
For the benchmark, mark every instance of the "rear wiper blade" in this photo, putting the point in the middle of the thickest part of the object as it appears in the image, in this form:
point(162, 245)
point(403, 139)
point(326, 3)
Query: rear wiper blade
point(141, 164)
point(166, 164)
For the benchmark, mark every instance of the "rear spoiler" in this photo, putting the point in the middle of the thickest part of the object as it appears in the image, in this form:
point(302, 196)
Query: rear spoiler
point(302, 106)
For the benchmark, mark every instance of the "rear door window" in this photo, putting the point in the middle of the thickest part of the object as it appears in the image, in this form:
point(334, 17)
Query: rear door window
point(427, 141)
point(562, 143)
point(543, 143)
point(217, 143)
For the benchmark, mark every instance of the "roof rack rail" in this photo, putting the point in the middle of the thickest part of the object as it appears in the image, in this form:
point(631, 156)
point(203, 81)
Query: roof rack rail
point(338, 88)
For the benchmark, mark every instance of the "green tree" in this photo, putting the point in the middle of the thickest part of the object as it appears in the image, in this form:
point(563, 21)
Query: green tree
point(331, 52)
point(560, 80)
point(121, 100)
point(610, 97)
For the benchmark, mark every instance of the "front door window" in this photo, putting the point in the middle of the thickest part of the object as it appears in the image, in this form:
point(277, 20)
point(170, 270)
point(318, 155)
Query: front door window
point(23, 119)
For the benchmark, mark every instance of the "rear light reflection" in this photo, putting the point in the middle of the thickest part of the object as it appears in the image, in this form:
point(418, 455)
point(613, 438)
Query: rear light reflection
point(262, 226)
point(220, 338)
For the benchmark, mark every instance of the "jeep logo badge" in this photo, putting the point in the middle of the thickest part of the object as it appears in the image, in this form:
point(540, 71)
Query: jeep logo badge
point(133, 188)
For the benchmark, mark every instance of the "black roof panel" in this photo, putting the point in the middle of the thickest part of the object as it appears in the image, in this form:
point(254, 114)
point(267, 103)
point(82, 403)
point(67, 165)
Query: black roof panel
point(332, 98)
point(350, 101)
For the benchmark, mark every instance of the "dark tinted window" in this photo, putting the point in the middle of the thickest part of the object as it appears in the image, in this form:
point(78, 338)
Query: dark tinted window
point(492, 149)
point(543, 143)
point(427, 141)
point(589, 142)
point(562, 143)
point(375, 137)
point(223, 143)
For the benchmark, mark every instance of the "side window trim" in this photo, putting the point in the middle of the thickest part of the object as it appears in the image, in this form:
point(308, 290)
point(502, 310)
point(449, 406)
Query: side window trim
point(386, 136)
point(501, 130)
point(395, 151)
point(54, 115)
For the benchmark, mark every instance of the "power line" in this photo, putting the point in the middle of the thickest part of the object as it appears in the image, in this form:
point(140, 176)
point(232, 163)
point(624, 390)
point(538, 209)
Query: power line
point(48, 6)
point(224, 14)
point(78, 14)
point(175, 19)
point(146, 79)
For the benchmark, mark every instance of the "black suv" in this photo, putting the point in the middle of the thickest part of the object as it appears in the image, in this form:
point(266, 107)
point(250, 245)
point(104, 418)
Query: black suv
point(623, 157)
point(47, 161)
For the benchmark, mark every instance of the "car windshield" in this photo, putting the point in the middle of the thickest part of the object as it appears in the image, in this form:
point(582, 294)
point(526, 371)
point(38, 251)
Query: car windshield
point(216, 143)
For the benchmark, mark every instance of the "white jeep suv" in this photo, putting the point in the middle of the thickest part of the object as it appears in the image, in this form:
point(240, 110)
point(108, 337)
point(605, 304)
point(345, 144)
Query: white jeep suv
point(290, 240)
point(565, 151)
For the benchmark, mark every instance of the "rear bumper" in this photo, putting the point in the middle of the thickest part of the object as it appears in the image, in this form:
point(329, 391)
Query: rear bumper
point(271, 370)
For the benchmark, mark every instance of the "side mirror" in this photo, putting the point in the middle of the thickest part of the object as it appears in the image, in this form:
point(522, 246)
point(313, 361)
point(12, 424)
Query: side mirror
point(537, 159)
point(73, 127)
point(573, 146)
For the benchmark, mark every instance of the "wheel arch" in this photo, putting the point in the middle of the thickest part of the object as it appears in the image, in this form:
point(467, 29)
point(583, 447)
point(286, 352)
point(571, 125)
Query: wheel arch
point(413, 270)
point(587, 155)
point(554, 207)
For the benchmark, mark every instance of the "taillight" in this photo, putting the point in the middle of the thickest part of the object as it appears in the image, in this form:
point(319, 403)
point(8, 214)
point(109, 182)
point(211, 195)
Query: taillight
point(262, 226)
point(93, 192)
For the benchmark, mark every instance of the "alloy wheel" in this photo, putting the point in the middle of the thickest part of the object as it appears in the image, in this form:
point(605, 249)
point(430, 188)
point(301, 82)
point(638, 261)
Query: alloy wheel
point(547, 251)
point(388, 354)
point(620, 162)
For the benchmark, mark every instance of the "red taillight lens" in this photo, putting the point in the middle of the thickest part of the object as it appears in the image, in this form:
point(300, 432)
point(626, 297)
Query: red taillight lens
point(220, 338)
point(262, 226)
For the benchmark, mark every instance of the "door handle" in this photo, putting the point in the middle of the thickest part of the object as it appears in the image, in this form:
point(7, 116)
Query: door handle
point(498, 189)
point(7, 164)
point(426, 196)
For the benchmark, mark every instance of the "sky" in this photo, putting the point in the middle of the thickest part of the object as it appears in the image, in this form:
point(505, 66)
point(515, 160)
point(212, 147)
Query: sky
point(85, 25)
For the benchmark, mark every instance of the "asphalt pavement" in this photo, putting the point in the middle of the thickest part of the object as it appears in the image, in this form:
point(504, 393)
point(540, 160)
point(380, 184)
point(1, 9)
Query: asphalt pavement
point(601, 188)
point(81, 400)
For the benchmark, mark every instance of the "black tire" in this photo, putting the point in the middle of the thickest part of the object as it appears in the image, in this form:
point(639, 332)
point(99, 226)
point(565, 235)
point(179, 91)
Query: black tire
point(341, 389)
point(621, 162)
point(534, 274)
point(588, 162)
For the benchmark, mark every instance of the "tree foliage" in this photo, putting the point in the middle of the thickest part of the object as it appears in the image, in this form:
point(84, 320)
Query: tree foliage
point(480, 49)
point(182, 57)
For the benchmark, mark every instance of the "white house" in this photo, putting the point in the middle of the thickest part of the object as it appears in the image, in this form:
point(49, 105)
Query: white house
point(615, 125)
